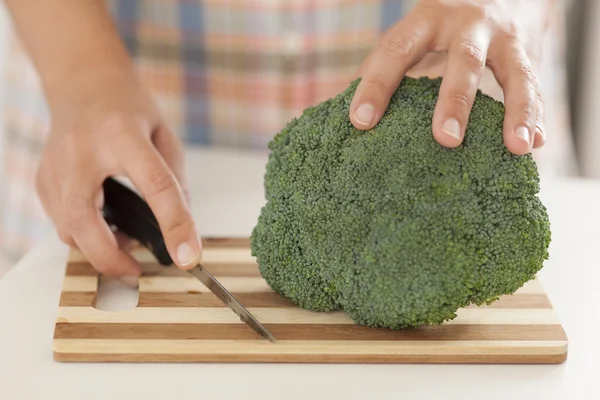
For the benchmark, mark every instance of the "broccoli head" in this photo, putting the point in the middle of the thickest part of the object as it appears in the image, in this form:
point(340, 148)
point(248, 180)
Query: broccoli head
point(390, 226)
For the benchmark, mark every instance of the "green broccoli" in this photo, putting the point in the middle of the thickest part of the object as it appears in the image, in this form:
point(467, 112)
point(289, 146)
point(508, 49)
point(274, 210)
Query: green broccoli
point(388, 225)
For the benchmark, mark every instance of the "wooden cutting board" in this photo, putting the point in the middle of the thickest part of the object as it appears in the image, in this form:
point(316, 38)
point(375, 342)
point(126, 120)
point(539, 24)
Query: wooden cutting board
point(178, 320)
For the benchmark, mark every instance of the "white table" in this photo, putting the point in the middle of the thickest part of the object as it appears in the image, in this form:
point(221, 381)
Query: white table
point(227, 202)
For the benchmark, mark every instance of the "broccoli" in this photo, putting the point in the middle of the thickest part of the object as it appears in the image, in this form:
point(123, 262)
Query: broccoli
point(388, 225)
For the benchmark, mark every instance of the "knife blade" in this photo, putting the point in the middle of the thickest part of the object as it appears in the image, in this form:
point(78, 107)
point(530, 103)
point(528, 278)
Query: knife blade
point(128, 212)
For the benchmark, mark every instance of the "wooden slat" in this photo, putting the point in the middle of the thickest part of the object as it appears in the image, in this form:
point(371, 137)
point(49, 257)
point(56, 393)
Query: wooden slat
point(161, 315)
point(252, 300)
point(80, 284)
point(209, 255)
point(241, 270)
point(207, 243)
point(84, 268)
point(226, 255)
point(176, 284)
point(77, 299)
point(519, 300)
point(407, 347)
point(184, 284)
point(187, 283)
point(331, 332)
point(395, 358)
point(298, 351)
point(270, 300)
point(210, 243)
point(80, 268)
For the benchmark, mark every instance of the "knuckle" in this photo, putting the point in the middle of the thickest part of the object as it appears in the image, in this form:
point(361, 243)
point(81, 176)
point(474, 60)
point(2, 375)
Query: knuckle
point(472, 55)
point(76, 213)
point(178, 226)
point(540, 120)
point(461, 100)
point(376, 82)
point(527, 107)
point(528, 75)
point(399, 45)
point(541, 115)
point(160, 181)
point(540, 100)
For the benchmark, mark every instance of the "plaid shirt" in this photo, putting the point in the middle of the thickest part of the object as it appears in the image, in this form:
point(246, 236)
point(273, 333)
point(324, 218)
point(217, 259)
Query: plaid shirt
point(224, 73)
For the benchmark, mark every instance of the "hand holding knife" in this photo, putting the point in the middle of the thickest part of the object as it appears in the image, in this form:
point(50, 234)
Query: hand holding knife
point(128, 212)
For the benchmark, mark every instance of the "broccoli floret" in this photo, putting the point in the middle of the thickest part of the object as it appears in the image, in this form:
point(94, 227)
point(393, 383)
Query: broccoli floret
point(390, 226)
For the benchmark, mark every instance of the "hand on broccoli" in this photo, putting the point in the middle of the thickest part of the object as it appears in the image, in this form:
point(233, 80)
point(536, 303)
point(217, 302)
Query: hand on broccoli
point(504, 35)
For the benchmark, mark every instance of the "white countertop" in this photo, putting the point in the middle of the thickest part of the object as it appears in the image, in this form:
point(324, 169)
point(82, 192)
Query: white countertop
point(227, 202)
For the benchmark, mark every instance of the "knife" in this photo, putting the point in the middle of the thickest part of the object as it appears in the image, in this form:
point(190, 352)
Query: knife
point(128, 212)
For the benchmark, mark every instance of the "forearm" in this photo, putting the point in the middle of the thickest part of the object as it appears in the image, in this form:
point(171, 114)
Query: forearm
point(67, 38)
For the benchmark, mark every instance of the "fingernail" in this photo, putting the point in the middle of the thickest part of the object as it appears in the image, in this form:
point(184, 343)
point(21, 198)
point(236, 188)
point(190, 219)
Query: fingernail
point(364, 114)
point(540, 132)
point(185, 254)
point(130, 280)
point(451, 127)
point(523, 133)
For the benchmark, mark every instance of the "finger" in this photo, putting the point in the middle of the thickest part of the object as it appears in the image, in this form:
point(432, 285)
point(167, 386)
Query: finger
point(158, 185)
point(124, 242)
point(92, 235)
point(540, 132)
point(169, 147)
point(515, 75)
point(386, 66)
point(464, 69)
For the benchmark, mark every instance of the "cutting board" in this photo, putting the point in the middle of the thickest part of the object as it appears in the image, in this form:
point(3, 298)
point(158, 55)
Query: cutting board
point(178, 320)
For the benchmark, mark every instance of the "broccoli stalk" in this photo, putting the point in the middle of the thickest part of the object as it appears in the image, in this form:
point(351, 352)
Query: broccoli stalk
point(390, 226)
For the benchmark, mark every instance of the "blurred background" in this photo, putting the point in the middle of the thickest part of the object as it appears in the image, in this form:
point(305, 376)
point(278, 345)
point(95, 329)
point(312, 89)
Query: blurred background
point(570, 77)
point(4, 29)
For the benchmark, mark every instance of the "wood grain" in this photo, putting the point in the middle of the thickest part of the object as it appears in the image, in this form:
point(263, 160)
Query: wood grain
point(292, 316)
point(177, 319)
point(268, 300)
point(322, 358)
point(225, 331)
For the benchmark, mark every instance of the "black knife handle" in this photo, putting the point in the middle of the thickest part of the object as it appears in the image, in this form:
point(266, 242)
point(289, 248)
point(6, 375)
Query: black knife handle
point(128, 212)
